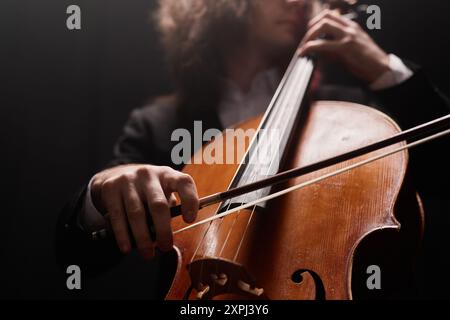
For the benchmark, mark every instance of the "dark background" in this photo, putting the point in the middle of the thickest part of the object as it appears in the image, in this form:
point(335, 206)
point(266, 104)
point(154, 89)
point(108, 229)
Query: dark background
point(66, 95)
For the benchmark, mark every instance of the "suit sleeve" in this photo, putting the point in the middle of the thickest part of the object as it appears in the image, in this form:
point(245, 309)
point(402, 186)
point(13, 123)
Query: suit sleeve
point(415, 102)
point(73, 245)
point(136, 145)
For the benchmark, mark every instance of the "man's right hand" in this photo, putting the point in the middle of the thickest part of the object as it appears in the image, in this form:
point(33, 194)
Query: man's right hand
point(125, 192)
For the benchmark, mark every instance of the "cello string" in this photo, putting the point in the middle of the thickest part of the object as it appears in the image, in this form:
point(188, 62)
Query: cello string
point(303, 85)
point(260, 140)
point(277, 94)
point(279, 99)
point(244, 234)
point(321, 178)
point(298, 78)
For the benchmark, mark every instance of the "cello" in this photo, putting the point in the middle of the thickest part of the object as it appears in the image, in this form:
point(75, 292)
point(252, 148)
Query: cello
point(312, 242)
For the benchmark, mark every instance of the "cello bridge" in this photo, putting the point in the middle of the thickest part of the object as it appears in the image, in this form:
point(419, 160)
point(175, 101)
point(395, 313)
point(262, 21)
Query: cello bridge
point(211, 277)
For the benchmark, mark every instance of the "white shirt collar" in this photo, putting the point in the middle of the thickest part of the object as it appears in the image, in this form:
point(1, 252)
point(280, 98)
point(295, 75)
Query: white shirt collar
point(237, 106)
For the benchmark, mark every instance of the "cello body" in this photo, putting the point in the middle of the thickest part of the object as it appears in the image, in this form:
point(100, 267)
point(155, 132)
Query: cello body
point(318, 242)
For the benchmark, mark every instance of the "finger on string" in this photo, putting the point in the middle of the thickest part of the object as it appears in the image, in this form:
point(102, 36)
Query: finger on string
point(324, 29)
point(319, 46)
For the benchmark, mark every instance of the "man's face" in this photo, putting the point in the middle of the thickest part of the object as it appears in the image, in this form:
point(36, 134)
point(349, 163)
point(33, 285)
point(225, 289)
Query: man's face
point(279, 25)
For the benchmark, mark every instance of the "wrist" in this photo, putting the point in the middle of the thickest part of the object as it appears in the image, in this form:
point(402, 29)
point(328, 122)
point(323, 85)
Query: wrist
point(378, 69)
point(398, 73)
point(90, 218)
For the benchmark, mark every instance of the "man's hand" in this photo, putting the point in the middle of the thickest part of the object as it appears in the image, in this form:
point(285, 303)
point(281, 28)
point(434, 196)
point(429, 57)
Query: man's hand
point(343, 39)
point(125, 192)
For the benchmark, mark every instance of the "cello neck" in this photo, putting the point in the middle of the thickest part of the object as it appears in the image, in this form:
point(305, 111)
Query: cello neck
point(267, 150)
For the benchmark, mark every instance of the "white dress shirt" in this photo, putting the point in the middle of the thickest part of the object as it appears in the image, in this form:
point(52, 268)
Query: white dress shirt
point(237, 106)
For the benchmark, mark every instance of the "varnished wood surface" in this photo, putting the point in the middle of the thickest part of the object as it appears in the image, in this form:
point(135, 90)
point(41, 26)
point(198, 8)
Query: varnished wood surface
point(314, 231)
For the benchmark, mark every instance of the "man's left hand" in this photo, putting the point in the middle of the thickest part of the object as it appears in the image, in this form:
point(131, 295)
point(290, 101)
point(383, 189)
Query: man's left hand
point(335, 36)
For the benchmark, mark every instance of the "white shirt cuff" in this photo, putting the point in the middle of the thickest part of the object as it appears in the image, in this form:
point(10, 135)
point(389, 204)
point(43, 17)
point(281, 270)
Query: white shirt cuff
point(90, 218)
point(398, 74)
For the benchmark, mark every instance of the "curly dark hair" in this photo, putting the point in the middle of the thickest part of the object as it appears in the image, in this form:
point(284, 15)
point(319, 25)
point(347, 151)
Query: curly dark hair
point(197, 35)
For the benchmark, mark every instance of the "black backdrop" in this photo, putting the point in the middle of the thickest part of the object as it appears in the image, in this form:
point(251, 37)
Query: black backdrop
point(65, 96)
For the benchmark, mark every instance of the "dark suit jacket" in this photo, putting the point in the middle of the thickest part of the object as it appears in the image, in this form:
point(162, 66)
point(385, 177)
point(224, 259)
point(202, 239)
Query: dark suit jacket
point(147, 139)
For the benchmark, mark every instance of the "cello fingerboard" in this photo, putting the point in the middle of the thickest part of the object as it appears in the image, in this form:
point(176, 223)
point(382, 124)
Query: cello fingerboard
point(267, 149)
